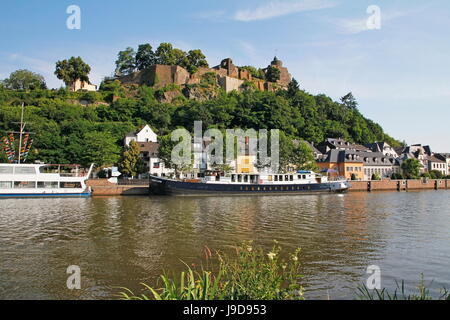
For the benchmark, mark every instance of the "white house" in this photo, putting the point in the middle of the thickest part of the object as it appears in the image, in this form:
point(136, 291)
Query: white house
point(147, 141)
point(144, 134)
point(78, 85)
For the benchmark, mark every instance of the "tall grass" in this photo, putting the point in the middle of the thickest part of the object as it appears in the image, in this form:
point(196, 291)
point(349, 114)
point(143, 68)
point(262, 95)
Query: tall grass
point(248, 274)
point(400, 293)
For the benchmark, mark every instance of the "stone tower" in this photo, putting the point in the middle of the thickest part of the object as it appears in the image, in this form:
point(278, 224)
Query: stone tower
point(285, 76)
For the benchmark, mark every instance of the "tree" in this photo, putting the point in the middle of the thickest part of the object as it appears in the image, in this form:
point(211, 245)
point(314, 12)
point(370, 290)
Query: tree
point(165, 54)
point(411, 168)
point(100, 148)
point(349, 101)
point(24, 80)
point(293, 88)
point(273, 74)
point(303, 157)
point(145, 57)
point(131, 162)
point(353, 177)
point(195, 59)
point(256, 73)
point(71, 70)
point(126, 62)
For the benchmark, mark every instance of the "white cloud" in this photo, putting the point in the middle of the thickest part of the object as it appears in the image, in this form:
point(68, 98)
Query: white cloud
point(280, 8)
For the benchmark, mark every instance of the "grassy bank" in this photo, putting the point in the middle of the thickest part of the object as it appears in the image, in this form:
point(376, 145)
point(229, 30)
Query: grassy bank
point(247, 274)
point(250, 273)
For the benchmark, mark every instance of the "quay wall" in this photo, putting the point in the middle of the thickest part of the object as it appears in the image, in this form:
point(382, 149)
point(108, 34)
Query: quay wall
point(399, 185)
point(102, 187)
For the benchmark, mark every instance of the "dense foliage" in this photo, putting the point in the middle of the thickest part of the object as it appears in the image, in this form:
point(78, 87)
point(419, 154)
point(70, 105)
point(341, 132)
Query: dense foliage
point(411, 168)
point(24, 80)
point(129, 60)
point(64, 122)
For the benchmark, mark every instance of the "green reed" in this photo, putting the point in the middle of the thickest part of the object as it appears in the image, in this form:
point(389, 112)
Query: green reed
point(247, 274)
point(400, 293)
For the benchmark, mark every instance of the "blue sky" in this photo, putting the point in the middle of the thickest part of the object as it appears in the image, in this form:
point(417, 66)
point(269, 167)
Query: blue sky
point(400, 73)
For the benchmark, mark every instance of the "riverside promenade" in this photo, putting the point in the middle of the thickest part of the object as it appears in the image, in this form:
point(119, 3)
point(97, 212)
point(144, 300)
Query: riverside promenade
point(102, 187)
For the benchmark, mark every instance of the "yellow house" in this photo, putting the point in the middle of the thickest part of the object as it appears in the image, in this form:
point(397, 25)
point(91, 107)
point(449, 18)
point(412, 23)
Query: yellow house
point(346, 163)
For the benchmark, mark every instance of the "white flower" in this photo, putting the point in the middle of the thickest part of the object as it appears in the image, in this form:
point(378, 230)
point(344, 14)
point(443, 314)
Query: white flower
point(271, 255)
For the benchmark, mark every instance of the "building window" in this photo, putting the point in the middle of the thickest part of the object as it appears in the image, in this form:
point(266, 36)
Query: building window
point(156, 165)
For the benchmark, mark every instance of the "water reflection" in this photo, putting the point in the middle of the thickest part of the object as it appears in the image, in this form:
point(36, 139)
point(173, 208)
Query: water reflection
point(122, 241)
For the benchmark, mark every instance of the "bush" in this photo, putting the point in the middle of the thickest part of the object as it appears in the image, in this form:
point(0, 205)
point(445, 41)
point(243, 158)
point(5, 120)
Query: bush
point(376, 176)
point(250, 274)
point(397, 176)
point(426, 175)
point(435, 174)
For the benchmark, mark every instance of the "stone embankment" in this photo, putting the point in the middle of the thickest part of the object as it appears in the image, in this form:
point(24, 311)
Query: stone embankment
point(102, 187)
point(400, 185)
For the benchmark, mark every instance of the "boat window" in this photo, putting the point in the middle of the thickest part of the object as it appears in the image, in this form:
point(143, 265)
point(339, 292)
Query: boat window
point(233, 178)
point(5, 184)
point(299, 177)
point(276, 178)
point(66, 185)
point(239, 178)
point(291, 177)
point(24, 170)
point(246, 178)
point(304, 176)
point(280, 178)
point(270, 178)
point(24, 184)
point(6, 170)
point(47, 184)
point(286, 178)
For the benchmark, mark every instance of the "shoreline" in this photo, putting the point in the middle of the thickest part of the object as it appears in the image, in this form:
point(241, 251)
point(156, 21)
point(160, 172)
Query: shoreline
point(102, 187)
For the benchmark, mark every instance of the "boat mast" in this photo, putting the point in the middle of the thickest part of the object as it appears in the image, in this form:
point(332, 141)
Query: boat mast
point(21, 133)
point(22, 127)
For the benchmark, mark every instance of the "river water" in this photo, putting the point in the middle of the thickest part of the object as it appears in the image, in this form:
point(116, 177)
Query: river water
point(122, 241)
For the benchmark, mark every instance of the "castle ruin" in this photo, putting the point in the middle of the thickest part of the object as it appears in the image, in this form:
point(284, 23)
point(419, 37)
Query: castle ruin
point(228, 76)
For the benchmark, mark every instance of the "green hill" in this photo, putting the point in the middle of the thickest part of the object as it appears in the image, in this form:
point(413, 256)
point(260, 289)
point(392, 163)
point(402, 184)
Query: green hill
point(80, 127)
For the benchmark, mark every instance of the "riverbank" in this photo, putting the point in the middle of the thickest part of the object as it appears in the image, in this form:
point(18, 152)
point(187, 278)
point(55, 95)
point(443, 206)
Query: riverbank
point(102, 187)
point(400, 185)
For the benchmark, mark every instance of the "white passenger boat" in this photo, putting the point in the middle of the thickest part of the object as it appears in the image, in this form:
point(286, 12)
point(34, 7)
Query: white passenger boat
point(41, 180)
